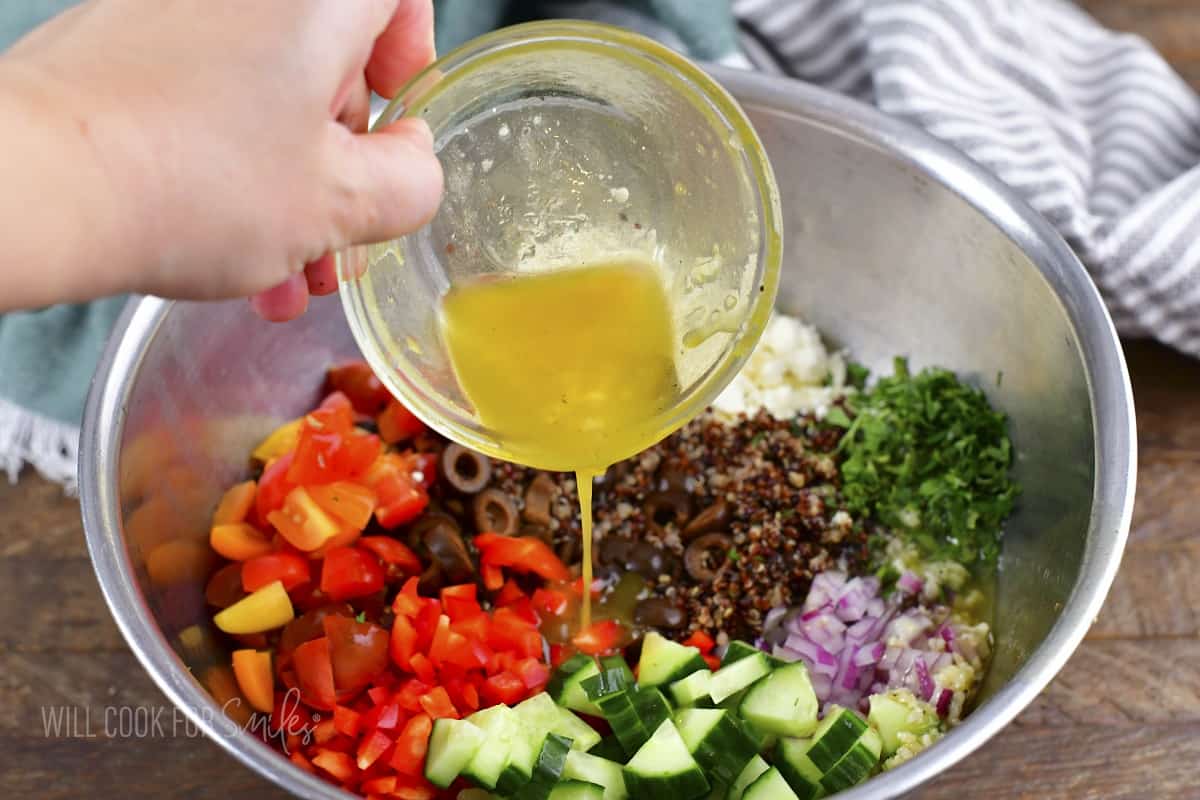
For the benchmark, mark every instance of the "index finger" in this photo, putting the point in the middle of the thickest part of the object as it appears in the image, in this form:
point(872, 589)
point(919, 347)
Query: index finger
point(403, 49)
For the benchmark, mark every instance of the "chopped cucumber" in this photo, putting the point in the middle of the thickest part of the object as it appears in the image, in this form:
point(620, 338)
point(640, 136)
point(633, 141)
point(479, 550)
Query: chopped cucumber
point(564, 686)
point(593, 769)
point(717, 740)
point(738, 675)
point(617, 664)
point(855, 766)
point(737, 651)
point(610, 748)
point(452, 745)
point(577, 790)
point(783, 703)
point(547, 769)
point(797, 769)
point(693, 690)
point(899, 711)
point(522, 756)
point(663, 767)
point(769, 786)
point(622, 715)
point(500, 726)
point(663, 661)
point(749, 774)
point(609, 680)
point(835, 737)
point(652, 707)
point(542, 714)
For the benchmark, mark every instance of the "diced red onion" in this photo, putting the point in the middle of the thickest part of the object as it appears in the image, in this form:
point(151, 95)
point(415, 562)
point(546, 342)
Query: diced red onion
point(869, 654)
point(943, 702)
point(924, 680)
point(909, 583)
point(822, 686)
point(825, 588)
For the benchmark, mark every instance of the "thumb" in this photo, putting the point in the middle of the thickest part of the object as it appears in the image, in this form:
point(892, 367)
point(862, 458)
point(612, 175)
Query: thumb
point(394, 182)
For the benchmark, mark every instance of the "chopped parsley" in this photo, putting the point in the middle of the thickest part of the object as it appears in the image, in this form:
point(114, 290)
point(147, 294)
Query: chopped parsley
point(929, 457)
point(362, 617)
point(856, 375)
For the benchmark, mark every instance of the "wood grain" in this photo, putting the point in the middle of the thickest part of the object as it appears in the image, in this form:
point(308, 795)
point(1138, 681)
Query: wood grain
point(1122, 720)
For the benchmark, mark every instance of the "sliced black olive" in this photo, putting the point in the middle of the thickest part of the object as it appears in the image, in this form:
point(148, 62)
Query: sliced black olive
point(537, 532)
point(714, 518)
point(495, 512)
point(432, 579)
point(658, 612)
point(537, 499)
point(465, 470)
point(671, 475)
point(445, 544)
point(705, 556)
point(672, 506)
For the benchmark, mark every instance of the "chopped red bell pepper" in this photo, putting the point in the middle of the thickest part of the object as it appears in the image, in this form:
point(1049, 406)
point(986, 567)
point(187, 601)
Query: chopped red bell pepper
point(393, 553)
point(493, 578)
point(532, 672)
point(459, 601)
point(414, 788)
point(509, 593)
point(350, 572)
point(339, 765)
point(401, 498)
point(524, 554)
point(411, 746)
point(345, 720)
point(701, 641)
point(437, 703)
point(403, 643)
point(423, 668)
point(422, 467)
point(504, 687)
point(371, 747)
point(713, 662)
point(550, 602)
point(600, 637)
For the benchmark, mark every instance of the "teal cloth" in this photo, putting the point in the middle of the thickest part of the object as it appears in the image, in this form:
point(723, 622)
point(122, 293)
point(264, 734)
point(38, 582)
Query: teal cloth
point(47, 356)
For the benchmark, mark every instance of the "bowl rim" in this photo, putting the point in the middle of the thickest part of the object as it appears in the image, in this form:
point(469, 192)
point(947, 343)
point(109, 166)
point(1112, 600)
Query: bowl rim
point(1114, 431)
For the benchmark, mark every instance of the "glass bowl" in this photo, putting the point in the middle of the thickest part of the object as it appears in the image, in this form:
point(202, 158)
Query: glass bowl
point(564, 144)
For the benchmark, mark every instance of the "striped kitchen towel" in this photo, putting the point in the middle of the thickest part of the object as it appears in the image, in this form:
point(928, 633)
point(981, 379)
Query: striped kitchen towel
point(1092, 128)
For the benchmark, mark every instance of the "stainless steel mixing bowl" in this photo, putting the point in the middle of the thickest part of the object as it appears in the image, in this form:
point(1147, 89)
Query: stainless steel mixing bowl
point(896, 245)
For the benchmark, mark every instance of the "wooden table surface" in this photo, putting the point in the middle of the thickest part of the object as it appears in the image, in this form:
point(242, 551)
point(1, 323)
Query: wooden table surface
point(1121, 721)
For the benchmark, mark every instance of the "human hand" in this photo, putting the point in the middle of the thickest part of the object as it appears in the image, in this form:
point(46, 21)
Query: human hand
point(230, 136)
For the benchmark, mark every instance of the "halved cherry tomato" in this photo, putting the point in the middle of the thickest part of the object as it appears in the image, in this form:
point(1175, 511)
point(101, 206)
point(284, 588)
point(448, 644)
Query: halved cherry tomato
point(524, 554)
point(224, 588)
point(393, 553)
point(273, 486)
point(350, 572)
point(411, 746)
point(348, 502)
point(600, 637)
point(357, 381)
point(235, 504)
point(252, 668)
point(310, 625)
point(359, 651)
point(397, 423)
point(288, 568)
point(302, 522)
point(238, 541)
point(314, 674)
point(422, 467)
point(400, 501)
point(331, 448)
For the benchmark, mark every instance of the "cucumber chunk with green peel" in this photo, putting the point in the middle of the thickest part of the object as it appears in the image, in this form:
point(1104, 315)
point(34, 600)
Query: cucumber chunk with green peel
point(501, 728)
point(783, 703)
point(663, 662)
point(652, 707)
point(717, 740)
point(522, 756)
point(547, 769)
point(856, 766)
point(617, 664)
point(693, 690)
point(791, 758)
point(622, 716)
point(609, 680)
point(739, 650)
point(565, 684)
point(748, 775)
point(836, 736)
point(663, 768)
point(737, 676)
point(610, 747)
point(900, 711)
point(770, 786)
point(541, 714)
point(577, 790)
point(452, 745)
point(601, 771)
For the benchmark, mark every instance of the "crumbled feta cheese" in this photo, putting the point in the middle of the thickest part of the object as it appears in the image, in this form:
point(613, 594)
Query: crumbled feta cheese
point(789, 373)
